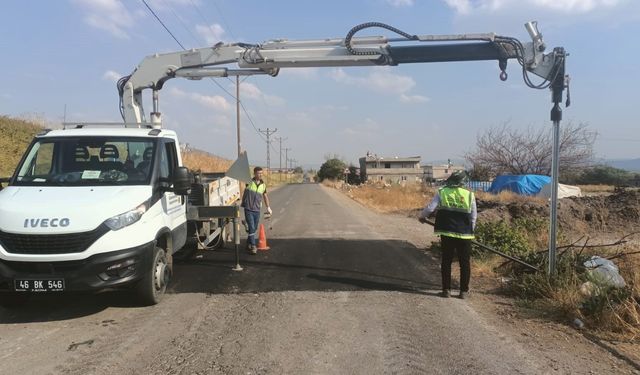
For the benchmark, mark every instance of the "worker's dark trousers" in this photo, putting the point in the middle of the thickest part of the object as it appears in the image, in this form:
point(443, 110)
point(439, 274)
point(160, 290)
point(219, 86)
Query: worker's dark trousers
point(252, 219)
point(450, 247)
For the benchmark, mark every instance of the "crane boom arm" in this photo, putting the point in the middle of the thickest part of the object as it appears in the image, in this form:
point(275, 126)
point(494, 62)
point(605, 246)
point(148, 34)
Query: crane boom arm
point(223, 60)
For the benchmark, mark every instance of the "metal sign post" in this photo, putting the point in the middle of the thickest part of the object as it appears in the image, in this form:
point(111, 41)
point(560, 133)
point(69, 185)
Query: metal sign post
point(557, 87)
point(236, 239)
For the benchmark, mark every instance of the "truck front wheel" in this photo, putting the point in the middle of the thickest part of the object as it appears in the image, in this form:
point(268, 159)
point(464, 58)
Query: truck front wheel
point(154, 284)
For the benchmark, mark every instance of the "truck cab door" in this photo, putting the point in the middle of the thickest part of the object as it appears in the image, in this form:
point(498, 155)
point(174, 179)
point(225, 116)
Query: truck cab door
point(173, 206)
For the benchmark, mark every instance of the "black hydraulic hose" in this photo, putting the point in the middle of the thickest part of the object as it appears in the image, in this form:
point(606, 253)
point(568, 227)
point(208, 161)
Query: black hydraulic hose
point(355, 29)
point(491, 249)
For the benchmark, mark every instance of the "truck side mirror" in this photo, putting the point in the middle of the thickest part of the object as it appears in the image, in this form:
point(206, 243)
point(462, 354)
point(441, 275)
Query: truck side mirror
point(182, 179)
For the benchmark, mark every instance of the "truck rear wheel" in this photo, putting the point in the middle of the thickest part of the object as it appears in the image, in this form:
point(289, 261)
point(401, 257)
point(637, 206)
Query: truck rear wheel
point(154, 284)
point(10, 300)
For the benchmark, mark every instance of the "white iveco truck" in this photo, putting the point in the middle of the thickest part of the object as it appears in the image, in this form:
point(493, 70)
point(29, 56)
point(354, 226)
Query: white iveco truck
point(95, 206)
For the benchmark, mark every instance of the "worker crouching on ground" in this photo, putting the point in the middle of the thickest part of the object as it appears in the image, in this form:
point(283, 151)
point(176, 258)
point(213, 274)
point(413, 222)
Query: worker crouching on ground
point(252, 198)
point(456, 215)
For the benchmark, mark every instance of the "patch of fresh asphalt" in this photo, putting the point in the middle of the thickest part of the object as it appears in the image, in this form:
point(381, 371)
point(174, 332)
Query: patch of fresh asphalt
point(339, 292)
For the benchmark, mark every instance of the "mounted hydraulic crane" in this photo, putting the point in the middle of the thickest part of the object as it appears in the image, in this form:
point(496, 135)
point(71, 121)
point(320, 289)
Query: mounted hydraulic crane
point(271, 56)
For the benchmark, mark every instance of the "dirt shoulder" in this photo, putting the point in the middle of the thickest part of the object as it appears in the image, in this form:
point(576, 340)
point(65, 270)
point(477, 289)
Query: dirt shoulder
point(566, 349)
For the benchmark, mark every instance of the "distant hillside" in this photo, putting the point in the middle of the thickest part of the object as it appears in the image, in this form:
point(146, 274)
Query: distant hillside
point(15, 135)
point(198, 160)
point(632, 165)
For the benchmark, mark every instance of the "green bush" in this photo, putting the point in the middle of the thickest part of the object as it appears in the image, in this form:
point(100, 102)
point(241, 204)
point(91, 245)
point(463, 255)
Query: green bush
point(332, 169)
point(600, 175)
point(503, 237)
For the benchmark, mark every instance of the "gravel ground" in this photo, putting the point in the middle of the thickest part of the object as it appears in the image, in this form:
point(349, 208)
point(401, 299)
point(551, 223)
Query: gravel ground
point(343, 290)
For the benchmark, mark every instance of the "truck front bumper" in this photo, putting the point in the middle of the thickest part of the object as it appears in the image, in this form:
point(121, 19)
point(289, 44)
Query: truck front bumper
point(101, 271)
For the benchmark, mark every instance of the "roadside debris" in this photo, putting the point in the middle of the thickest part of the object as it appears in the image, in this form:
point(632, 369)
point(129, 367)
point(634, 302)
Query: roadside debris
point(604, 272)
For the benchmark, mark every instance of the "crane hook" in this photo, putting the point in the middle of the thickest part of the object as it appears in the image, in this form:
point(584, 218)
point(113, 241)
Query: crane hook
point(502, 64)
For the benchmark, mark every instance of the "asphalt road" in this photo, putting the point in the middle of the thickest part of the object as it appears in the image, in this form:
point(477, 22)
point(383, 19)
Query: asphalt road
point(342, 290)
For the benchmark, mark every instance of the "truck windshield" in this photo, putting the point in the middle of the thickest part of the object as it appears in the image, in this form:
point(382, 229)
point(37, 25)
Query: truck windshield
point(87, 161)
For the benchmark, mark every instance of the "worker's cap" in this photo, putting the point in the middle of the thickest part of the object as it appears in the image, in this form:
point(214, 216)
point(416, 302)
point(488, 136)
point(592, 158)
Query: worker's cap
point(457, 178)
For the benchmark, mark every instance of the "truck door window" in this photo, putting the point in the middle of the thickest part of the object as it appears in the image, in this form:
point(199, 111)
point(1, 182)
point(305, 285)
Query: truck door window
point(168, 161)
point(164, 165)
point(173, 157)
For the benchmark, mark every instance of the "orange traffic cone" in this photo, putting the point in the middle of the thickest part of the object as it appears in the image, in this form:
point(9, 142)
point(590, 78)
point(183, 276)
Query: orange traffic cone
point(262, 239)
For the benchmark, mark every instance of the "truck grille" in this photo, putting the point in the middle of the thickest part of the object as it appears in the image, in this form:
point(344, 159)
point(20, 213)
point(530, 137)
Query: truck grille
point(43, 268)
point(15, 243)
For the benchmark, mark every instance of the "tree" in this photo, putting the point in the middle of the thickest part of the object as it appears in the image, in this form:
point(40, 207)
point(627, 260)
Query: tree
point(332, 169)
point(298, 170)
point(480, 173)
point(604, 174)
point(505, 150)
point(353, 178)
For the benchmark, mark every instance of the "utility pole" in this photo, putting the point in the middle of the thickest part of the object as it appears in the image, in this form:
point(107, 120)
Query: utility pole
point(268, 133)
point(286, 161)
point(294, 164)
point(286, 158)
point(238, 112)
point(280, 140)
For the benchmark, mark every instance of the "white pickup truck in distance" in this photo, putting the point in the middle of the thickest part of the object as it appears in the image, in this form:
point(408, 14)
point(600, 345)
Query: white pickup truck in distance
point(94, 207)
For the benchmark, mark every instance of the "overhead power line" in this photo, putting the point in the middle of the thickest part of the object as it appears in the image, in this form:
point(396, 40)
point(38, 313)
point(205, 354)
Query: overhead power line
point(162, 23)
point(212, 80)
point(268, 133)
point(181, 45)
point(184, 26)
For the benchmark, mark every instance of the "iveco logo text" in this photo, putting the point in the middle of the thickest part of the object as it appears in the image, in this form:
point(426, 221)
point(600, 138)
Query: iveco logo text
point(45, 223)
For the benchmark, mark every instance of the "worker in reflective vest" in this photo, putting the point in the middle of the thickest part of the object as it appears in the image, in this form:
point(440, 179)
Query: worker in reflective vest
point(252, 198)
point(456, 215)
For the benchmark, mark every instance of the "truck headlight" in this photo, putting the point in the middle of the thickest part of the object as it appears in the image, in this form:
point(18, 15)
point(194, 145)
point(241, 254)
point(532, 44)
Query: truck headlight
point(124, 220)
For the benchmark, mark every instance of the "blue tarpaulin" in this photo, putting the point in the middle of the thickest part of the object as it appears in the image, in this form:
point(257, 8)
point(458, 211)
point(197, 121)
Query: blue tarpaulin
point(526, 184)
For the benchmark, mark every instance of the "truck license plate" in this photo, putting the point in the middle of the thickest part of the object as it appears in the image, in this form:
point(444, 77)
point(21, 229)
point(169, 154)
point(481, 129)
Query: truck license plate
point(39, 285)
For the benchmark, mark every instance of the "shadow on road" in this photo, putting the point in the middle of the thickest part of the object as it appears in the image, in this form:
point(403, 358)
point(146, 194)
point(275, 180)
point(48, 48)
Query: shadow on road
point(291, 265)
point(312, 265)
point(57, 307)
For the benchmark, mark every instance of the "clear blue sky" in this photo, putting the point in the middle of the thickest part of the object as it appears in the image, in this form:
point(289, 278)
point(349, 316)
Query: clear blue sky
point(57, 53)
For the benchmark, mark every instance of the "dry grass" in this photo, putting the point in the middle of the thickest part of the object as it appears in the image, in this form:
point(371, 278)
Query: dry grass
point(201, 161)
point(613, 313)
point(276, 179)
point(397, 198)
point(15, 135)
point(393, 198)
point(333, 184)
point(506, 197)
point(623, 317)
point(597, 188)
point(485, 266)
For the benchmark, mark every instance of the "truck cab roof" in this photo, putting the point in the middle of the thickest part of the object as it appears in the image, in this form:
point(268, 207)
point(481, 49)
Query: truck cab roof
point(121, 131)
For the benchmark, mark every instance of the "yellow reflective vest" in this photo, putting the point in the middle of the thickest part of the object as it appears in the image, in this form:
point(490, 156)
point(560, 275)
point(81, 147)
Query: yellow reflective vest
point(453, 218)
